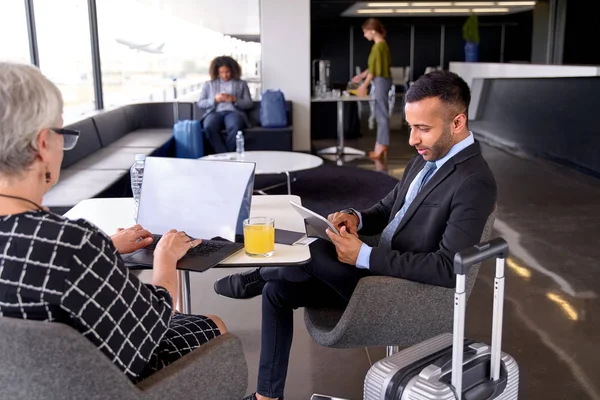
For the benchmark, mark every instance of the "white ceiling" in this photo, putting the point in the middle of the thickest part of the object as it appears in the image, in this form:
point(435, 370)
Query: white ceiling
point(436, 8)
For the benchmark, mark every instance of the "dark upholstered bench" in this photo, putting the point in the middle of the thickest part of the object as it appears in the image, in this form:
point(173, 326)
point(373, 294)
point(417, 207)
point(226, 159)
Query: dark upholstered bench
point(257, 137)
point(99, 165)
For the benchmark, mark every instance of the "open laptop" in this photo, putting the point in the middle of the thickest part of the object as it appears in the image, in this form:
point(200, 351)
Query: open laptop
point(206, 199)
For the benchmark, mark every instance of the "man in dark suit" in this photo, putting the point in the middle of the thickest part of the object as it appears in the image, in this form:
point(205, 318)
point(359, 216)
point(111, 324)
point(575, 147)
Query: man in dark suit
point(438, 208)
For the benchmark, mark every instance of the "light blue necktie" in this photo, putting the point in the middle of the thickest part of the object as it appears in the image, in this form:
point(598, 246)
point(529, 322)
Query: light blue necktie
point(388, 232)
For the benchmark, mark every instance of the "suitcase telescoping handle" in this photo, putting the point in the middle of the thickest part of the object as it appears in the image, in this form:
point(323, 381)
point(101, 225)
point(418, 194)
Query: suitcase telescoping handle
point(175, 102)
point(462, 262)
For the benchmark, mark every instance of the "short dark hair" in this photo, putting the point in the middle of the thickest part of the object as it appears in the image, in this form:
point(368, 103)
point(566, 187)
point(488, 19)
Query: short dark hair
point(450, 88)
point(375, 25)
point(225, 61)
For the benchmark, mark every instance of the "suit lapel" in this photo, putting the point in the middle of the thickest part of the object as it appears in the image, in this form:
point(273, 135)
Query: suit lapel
point(435, 180)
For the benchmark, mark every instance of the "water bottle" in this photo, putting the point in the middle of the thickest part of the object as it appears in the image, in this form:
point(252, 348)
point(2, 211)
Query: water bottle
point(239, 145)
point(137, 176)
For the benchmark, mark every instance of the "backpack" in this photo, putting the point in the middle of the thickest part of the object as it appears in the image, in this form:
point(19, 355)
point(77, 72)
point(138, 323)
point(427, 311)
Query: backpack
point(272, 110)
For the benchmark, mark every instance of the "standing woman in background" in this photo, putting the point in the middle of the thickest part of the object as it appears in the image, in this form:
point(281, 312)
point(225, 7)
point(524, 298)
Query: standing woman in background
point(378, 73)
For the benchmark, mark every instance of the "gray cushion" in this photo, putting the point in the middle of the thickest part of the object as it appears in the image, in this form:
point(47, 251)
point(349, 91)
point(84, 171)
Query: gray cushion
point(46, 360)
point(424, 311)
point(88, 142)
point(77, 185)
point(259, 138)
point(121, 158)
point(112, 125)
point(157, 115)
point(253, 114)
point(145, 138)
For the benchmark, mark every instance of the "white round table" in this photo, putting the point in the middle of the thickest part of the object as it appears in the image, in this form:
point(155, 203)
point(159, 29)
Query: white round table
point(273, 162)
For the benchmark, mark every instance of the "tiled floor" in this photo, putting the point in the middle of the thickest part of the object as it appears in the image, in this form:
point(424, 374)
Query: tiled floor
point(550, 216)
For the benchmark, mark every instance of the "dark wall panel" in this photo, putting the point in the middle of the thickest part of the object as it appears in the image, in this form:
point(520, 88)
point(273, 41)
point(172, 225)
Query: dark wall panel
point(362, 47)
point(399, 42)
point(582, 32)
point(549, 117)
point(335, 47)
point(454, 45)
point(489, 46)
point(427, 48)
point(539, 37)
point(517, 47)
point(330, 39)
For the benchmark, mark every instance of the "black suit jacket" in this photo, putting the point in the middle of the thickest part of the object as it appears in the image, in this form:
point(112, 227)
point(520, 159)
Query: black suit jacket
point(447, 216)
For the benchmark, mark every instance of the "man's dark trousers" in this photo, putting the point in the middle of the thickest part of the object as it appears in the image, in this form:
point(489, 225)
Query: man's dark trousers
point(323, 282)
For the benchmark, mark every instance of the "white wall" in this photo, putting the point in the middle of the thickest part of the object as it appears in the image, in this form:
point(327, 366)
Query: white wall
point(285, 40)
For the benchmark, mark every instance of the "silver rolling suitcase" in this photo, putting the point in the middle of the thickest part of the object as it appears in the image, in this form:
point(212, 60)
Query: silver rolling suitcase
point(449, 366)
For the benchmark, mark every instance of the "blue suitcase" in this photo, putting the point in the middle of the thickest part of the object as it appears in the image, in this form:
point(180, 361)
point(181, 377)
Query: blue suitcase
point(189, 140)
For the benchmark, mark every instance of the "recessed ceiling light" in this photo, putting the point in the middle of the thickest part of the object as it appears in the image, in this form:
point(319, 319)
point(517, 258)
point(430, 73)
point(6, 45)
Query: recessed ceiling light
point(474, 3)
point(376, 11)
point(387, 4)
point(489, 10)
point(413, 10)
point(515, 3)
point(436, 4)
point(451, 10)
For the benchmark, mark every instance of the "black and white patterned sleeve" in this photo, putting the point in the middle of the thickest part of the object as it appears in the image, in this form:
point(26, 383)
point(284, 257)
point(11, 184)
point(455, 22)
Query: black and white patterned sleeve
point(125, 318)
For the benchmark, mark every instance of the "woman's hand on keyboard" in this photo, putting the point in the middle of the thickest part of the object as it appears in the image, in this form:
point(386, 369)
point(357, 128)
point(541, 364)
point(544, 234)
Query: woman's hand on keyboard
point(174, 244)
point(131, 239)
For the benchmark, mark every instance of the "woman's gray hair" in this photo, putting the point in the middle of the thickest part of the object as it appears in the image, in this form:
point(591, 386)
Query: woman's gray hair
point(29, 102)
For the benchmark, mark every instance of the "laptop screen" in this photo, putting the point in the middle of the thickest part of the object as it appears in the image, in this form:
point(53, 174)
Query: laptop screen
point(201, 197)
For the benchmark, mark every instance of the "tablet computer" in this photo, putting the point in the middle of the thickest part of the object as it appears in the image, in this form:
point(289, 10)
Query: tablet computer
point(315, 223)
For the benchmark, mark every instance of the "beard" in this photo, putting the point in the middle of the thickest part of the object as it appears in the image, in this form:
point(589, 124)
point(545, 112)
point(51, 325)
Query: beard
point(442, 146)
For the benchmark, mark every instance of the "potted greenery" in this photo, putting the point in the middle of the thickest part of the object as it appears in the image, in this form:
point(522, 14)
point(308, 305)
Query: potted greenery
point(471, 37)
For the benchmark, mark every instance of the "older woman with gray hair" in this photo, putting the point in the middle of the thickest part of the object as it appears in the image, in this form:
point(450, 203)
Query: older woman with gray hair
point(58, 270)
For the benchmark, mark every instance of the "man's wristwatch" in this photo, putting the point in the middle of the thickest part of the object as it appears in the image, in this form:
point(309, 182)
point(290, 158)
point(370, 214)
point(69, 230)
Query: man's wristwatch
point(349, 211)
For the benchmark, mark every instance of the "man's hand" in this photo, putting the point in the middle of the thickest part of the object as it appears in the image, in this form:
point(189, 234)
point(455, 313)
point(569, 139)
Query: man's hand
point(350, 221)
point(347, 245)
point(131, 239)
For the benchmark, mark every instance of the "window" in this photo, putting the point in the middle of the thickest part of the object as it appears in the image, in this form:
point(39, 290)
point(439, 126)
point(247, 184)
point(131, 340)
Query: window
point(64, 49)
point(13, 25)
point(145, 44)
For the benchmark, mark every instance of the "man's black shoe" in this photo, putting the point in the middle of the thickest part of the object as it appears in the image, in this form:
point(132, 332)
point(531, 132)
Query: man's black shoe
point(241, 286)
point(253, 397)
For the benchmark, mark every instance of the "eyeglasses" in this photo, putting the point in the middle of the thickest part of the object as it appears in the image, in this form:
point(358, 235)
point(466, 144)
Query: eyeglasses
point(70, 137)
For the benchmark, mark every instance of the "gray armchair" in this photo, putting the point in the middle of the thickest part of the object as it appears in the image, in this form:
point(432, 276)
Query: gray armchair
point(385, 311)
point(46, 360)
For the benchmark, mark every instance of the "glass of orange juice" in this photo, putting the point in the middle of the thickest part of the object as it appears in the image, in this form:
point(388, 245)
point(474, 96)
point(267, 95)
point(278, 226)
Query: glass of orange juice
point(259, 236)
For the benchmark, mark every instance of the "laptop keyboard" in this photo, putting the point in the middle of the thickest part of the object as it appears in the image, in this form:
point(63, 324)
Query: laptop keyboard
point(204, 249)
